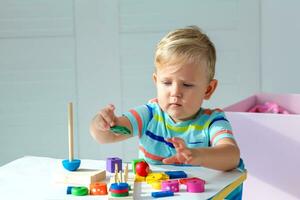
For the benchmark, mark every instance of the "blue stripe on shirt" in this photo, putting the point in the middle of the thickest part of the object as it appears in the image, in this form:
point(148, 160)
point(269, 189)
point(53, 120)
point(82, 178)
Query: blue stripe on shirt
point(158, 138)
point(217, 119)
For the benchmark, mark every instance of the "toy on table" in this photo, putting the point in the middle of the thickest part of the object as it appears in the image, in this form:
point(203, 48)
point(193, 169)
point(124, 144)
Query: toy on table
point(98, 188)
point(195, 186)
point(170, 185)
point(162, 194)
point(71, 164)
point(134, 162)
point(111, 162)
point(119, 186)
point(142, 168)
point(80, 191)
point(120, 130)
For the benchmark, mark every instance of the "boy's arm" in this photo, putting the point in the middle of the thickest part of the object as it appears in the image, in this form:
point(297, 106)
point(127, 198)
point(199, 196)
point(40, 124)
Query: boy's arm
point(225, 155)
point(103, 121)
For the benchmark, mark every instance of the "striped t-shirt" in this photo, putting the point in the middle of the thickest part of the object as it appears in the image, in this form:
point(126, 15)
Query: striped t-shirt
point(153, 127)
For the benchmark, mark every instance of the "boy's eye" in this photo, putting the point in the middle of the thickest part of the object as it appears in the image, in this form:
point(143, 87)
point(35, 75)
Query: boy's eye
point(166, 82)
point(188, 85)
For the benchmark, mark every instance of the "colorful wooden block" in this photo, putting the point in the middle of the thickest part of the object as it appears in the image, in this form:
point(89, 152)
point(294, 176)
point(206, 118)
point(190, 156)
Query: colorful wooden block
point(176, 174)
point(156, 185)
point(111, 162)
point(152, 177)
point(69, 189)
point(195, 186)
point(162, 194)
point(170, 185)
point(98, 188)
point(184, 180)
point(80, 191)
point(81, 177)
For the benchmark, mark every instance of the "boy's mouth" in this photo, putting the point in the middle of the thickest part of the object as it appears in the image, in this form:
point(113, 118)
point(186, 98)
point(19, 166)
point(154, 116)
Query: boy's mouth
point(175, 104)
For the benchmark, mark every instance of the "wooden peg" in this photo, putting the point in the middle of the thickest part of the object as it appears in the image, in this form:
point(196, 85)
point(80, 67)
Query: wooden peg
point(70, 130)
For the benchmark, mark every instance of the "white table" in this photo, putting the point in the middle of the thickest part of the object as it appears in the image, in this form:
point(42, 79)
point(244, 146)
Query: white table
point(34, 178)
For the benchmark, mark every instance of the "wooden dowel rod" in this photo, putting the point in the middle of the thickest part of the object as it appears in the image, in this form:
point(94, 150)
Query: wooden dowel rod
point(70, 130)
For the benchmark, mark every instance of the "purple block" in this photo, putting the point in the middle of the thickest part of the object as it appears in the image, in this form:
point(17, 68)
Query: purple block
point(110, 164)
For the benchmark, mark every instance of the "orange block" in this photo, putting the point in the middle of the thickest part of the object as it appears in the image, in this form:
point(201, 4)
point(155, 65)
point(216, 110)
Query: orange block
point(98, 188)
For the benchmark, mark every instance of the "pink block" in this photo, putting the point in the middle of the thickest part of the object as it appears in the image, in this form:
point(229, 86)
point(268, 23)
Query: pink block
point(170, 185)
point(195, 186)
point(269, 143)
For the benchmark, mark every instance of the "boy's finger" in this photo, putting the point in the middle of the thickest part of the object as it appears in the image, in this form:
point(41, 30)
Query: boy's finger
point(170, 160)
point(178, 143)
point(108, 116)
point(102, 123)
point(111, 106)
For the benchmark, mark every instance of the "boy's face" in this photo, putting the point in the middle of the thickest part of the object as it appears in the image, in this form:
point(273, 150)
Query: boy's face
point(181, 89)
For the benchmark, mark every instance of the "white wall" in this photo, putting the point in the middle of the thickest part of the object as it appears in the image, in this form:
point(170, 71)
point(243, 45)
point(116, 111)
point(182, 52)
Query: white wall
point(280, 42)
point(37, 77)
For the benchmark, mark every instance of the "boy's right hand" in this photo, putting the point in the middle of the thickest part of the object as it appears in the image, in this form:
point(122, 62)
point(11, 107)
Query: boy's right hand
point(106, 118)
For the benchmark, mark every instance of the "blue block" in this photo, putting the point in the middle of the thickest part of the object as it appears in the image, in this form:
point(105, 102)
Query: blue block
point(162, 194)
point(176, 174)
point(69, 189)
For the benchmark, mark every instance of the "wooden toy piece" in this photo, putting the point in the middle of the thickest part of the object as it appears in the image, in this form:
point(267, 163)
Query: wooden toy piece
point(134, 162)
point(162, 194)
point(156, 185)
point(120, 130)
point(126, 173)
point(195, 186)
point(138, 178)
point(71, 164)
point(111, 163)
point(129, 182)
point(116, 173)
point(176, 174)
point(184, 180)
point(152, 177)
point(119, 189)
point(80, 191)
point(81, 177)
point(69, 189)
point(98, 188)
point(142, 168)
point(170, 185)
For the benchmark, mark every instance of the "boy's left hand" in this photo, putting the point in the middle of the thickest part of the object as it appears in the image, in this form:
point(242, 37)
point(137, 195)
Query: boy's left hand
point(184, 155)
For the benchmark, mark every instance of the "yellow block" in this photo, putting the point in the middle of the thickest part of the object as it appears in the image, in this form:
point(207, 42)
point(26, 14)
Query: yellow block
point(139, 178)
point(156, 185)
point(153, 177)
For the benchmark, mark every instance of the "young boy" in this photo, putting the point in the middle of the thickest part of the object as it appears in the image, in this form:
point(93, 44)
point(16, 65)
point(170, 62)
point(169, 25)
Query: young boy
point(174, 128)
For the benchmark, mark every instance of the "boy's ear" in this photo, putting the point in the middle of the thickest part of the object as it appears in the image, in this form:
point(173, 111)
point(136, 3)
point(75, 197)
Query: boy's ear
point(210, 89)
point(154, 77)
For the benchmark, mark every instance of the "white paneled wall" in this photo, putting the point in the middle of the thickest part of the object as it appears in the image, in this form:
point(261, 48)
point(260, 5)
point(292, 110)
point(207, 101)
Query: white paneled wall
point(280, 46)
point(37, 77)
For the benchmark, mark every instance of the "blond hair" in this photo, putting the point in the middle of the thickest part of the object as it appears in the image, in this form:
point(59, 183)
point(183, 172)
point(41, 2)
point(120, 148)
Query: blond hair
point(186, 45)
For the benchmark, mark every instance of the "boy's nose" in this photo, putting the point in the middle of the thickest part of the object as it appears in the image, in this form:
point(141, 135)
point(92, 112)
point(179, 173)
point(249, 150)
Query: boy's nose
point(176, 92)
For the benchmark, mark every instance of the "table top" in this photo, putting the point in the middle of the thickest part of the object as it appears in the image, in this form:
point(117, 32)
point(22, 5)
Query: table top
point(32, 177)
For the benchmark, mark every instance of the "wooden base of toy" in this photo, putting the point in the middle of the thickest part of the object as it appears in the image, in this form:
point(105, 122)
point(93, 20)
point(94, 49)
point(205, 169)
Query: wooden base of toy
point(130, 181)
point(82, 177)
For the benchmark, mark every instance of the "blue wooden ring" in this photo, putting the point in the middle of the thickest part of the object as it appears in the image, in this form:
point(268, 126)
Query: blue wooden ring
point(119, 186)
point(71, 165)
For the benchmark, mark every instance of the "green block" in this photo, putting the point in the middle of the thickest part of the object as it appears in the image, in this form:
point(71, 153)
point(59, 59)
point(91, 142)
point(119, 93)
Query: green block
point(120, 130)
point(80, 191)
point(133, 163)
